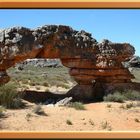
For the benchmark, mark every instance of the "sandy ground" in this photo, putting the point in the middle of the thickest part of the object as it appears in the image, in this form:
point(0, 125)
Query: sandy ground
point(96, 117)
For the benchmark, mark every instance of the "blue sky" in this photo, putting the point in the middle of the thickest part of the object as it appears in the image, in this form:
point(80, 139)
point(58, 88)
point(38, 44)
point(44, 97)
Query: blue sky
point(120, 25)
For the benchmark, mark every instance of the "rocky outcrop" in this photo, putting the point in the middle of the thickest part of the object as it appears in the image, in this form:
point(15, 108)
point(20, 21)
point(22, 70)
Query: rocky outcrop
point(89, 61)
point(105, 66)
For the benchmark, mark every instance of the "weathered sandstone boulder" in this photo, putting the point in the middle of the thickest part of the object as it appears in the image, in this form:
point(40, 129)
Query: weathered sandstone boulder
point(90, 62)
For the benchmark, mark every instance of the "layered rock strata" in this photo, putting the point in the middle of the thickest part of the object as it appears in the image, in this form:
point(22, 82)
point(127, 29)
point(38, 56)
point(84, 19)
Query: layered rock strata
point(89, 61)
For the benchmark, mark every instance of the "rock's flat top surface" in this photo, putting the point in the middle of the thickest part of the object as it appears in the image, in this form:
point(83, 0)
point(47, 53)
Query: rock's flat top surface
point(19, 40)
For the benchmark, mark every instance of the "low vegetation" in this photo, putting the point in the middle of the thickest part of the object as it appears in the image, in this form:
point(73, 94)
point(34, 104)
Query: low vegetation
point(91, 122)
point(116, 97)
point(109, 106)
point(39, 110)
point(132, 95)
point(77, 105)
point(129, 105)
point(2, 110)
point(10, 97)
point(28, 116)
point(106, 125)
point(40, 76)
point(122, 106)
point(120, 97)
point(137, 120)
point(69, 122)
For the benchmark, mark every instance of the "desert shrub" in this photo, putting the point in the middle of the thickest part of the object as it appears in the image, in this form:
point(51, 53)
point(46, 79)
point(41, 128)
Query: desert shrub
point(45, 84)
point(116, 97)
point(138, 104)
point(28, 116)
point(47, 90)
point(39, 110)
point(37, 87)
point(69, 122)
point(2, 110)
point(130, 105)
point(10, 97)
point(91, 122)
point(77, 105)
point(137, 120)
point(121, 96)
point(106, 125)
point(109, 106)
point(32, 84)
point(122, 106)
point(132, 95)
point(63, 85)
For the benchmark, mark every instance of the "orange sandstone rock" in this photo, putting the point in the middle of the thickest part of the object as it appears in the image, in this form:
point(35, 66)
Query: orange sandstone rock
point(89, 61)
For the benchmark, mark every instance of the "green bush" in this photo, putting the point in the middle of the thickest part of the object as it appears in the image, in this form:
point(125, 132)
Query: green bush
point(123, 96)
point(137, 120)
point(109, 105)
point(132, 95)
point(91, 122)
point(130, 105)
point(2, 109)
point(77, 105)
point(39, 110)
point(69, 122)
point(106, 125)
point(116, 97)
point(10, 97)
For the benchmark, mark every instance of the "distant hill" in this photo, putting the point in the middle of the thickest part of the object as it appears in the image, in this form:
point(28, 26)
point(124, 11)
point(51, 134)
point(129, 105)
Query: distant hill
point(131, 62)
point(39, 63)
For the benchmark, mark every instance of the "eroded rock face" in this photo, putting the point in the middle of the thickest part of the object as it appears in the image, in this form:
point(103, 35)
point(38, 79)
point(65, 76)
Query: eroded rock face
point(89, 61)
point(105, 66)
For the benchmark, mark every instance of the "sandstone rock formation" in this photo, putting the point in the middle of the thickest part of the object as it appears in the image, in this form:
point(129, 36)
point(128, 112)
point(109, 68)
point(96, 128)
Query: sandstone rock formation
point(90, 62)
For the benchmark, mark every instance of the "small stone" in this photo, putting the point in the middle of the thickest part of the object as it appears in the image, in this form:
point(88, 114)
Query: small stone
point(50, 105)
point(64, 101)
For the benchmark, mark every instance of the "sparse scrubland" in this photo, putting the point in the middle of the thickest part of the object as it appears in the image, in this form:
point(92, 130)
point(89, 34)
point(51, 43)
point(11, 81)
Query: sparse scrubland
point(41, 76)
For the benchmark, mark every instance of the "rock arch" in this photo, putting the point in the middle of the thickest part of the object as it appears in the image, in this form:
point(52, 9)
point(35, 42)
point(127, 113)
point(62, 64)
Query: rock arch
point(89, 61)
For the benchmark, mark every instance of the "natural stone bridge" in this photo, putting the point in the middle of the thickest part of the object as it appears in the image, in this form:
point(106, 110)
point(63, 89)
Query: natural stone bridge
point(91, 63)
